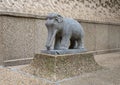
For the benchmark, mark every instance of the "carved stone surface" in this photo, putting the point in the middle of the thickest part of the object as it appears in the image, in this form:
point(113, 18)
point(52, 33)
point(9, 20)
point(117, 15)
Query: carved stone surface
point(1, 41)
point(95, 10)
point(22, 37)
point(18, 37)
point(60, 52)
point(58, 67)
point(67, 33)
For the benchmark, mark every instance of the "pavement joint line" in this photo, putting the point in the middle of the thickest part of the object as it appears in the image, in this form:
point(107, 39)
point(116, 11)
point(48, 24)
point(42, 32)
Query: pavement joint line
point(27, 74)
point(17, 70)
point(55, 82)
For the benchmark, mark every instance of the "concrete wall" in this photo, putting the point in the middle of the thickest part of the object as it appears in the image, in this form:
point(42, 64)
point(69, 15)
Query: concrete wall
point(93, 10)
point(23, 37)
point(1, 42)
point(101, 36)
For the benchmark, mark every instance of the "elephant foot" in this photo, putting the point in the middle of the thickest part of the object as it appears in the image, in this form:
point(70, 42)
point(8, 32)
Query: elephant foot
point(48, 47)
point(82, 48)
point(63, 48)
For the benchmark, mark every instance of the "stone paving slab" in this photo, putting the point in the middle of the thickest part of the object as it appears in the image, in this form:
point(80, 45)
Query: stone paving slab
point(110, 75)
point(14, 77)
point(59, 67)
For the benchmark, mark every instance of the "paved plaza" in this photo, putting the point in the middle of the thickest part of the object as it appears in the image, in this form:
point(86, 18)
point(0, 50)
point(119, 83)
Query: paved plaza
point(109, 75)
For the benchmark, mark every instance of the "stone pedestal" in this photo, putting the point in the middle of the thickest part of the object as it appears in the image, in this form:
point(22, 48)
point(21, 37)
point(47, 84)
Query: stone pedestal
point(58, 67)
point(61, 52)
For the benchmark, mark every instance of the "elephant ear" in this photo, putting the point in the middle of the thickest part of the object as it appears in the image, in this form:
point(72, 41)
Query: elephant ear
point(59, 18)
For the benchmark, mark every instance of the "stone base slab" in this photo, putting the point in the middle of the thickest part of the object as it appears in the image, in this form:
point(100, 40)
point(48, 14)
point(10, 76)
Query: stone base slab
point(28, 60)
point(60, 52)
point(58, 67)
point(16, 62)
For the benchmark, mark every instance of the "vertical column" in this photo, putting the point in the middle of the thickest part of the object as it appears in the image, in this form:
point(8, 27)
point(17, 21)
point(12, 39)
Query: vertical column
point(1, 40)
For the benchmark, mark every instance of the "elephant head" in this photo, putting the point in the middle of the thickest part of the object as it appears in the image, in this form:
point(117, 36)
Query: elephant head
point(52, 18)
point(53, 24)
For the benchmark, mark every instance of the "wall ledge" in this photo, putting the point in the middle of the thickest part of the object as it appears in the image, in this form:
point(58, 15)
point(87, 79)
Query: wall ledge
point(24, 61)
point(25, 15)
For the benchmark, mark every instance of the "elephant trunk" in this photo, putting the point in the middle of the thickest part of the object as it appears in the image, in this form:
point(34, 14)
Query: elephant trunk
point(50, 39)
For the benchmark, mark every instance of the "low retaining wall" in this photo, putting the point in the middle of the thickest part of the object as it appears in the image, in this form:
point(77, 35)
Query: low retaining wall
point(22, 37)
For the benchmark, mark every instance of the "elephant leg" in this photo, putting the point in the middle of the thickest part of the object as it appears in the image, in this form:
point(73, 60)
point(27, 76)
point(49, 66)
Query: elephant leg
point(65, 42)
point(72, 44)
point(80, 44)
point(57, 43)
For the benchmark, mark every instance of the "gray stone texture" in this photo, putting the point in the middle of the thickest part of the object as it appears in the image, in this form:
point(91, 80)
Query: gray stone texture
point(40, 35)
point(114, 40)
point(23, 37)
point(16, 62)
point(102, 36)
point(109, 75)
point(90, 36)
point(58, 67)
point(18, 37)
point(64, 33)
point(1, 41)
point(60, 52)
point(93, 10)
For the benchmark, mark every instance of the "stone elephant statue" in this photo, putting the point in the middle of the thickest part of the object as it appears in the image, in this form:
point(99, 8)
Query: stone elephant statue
point(67, 33)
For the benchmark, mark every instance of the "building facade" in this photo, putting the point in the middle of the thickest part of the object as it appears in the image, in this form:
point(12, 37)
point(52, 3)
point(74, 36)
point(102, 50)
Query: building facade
point(23, 33)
